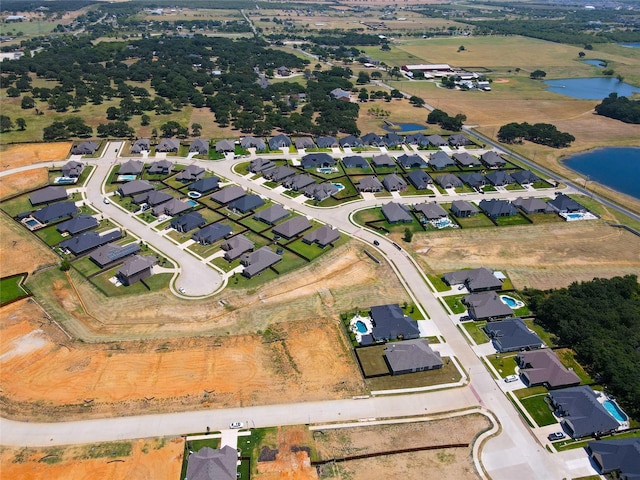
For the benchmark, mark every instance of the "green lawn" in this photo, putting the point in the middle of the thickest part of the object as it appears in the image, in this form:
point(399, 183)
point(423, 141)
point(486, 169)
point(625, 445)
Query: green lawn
point(504, 363)
point(18, 205)
point(568, 359)
point(155, 282)
point(454, 303)
point(50, 235)
point(475, 331)
point(438, 284)
point(537, 218)
point(10, 289)
point(539, 410)
point(475, 221)
point(85, 266)
point(372, 360)
point(447, 374)
point(548, 338)
point(512, 220)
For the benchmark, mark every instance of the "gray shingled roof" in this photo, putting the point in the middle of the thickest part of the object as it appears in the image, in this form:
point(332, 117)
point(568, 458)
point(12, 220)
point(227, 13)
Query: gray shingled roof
point(544, 367)
point(431, 211)
point(383, 160)
point(412, 355)
point(492, 159)
point(498, 208)
point(172, 207)
point(582, 412)
point(370, 184)
point(320, 191)
point(465, 159)
point(48, 195)
point(168, 145)
point(89, 240)
point(563, 203)
point(323, 236)
point(258, 261)
point(486, 305)
point(160, 167)
point(316, 160)
point(475, 179)
point(390, 323)
point(261, 164)
point(55, 211)
point(355, 161)
point(440, 160)
point(292, 227)
point(72, 169)
point(212, 233)
point(511, 335)
point(464, 207)
point(394, 183)
point(225, 146)
point(236, 246)
point(499, 178)
point(77, 224)
point(273, 214)
point(476, 279)
point(621, 455)
point(131, 167)
point(419, 179)
point(298, 182)
point(204, 185)
point(228, 194)
point(191, 173)
point(111, 252)
point(210, 464)
point(396, 212)
point(134, 187)
point(136, 264)
point(448, 180)
point(279, 173)
point(247, 203)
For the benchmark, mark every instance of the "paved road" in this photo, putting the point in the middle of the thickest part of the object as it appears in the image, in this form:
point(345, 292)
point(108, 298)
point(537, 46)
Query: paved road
point(513, 453)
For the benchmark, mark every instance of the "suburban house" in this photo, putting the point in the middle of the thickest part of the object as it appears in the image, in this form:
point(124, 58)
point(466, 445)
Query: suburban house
point(476, 280)
point(582, 414)
point(283, 71)
point(278, 174)
point(372, 139)
point(323, 236)
point(436, 140)
point(475, 180)
point(160, 167)
point(187, 222)
point(392, 139)
point(317, 160)
point(110, 253)
point(417, 139)
point(223, 146)
point(462, 209)
point(430, 211)
point(512, 335)
point(172, 207)
point(383, 161)
point(525, 177)
point(495, 208)
point(499, 178)
point(394, 183)
point(440, 160)
point(208, 464)
point(355, 161)
point(257, 262)
point(543, 367)
point(464, 159)
point(228, 194)
point(272, 215)
point(131, 167)
point(486, 306)
point(420, 179)
point(390, 323)
point(77, 224)
point(320, 191)
point(411, 356)
point(48, 195)
point(292, 227)
point(55, 211)
point(350, 141)
point(168, 145)
point(396, 213)
point(304, 142)
point(141, 145)
point(136, 268)
point(491, 159)
point(72, 169)
point(448, 180)
point(245, 204)
point(298, 182)
point(236, 246)
point(327, 142)
point(458, 140)
point(135, 187)
point(190, 174)
point(212, 233)
point(260, 165)
point(88, 241)
point(279, 141)
point(199, 145)
point(369, 184)
point(532, 205)
point(151, 198)
point(205, 185)
point(85, 148)
point(340, 94)
point(253, 142)
point(411, 161)
point(564, 204)
point(621, 456)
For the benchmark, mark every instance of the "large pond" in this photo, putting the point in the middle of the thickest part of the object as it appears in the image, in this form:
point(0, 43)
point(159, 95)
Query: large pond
point(615, 167)
point(591, 88)
point(630, 45)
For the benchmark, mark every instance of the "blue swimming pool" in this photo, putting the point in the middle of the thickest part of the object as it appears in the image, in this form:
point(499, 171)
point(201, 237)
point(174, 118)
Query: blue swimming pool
point(614, 411)
point(193, 203)
point(574, 216)
point(339, 186)
point(194, 194)
point(126, 178)
point(64, 180)
point(31, 223)
point(511, 302)
point(362, 328)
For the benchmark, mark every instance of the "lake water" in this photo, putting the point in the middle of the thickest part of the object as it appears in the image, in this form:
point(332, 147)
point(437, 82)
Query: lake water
point(615, 167)
point(404, 127)
point(630, 45)
point(596, 63)
point(590, 88)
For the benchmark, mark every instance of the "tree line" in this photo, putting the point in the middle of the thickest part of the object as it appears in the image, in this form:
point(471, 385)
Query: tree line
point(600, 321)
point(540, 133)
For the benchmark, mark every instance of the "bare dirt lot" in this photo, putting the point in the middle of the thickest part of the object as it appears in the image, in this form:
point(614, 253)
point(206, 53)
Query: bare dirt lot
point(15, 238)
point(139, 460)
point(439, 463)
point(43, 373)
point(14, 156)
point(540, 256)
point(20, 182)
point(292, 460)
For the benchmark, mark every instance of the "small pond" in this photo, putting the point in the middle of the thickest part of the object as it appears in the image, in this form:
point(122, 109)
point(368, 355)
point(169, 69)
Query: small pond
point(596, 63)
point(630, 45)
point(590, 88)
point(403, 127)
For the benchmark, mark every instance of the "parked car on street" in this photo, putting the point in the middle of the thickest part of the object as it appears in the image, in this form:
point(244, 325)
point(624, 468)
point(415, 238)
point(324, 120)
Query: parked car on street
point(236, 425)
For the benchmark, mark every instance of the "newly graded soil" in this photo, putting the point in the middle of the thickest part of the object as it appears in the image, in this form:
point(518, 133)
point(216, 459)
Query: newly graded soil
point(44, 374)
point(19, 155)
point(539, 256)
point(32, 253)
point(292, 460)
point(138, 460)
point(439, 463)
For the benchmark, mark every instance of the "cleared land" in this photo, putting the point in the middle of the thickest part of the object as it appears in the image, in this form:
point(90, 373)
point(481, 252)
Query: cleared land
point(19, 182)
point(33, 253)
point(44, 374)
point(14, 156)
point(440, 463)
point(139, 460)
point(540, 256)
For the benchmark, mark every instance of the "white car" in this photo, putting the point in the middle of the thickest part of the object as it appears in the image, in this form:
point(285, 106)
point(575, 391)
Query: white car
point(236, 425)
point(182, 290)
point(511, 378)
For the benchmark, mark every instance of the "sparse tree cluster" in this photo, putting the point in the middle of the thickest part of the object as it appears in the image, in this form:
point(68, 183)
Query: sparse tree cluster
point(442, 118)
